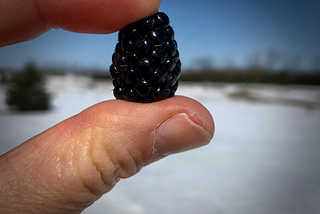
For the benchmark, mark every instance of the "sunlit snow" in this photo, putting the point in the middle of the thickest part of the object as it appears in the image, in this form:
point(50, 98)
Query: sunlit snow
point(264, 157)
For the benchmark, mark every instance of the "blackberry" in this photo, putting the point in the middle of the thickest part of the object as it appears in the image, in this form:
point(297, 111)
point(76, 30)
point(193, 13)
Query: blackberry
point(145, 65)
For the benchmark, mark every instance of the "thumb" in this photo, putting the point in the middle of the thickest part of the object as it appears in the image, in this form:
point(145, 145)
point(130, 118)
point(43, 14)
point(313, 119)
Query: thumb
point(66, 168)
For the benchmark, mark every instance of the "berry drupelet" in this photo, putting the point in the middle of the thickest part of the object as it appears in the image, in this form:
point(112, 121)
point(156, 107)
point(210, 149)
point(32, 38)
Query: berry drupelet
point(146, 65)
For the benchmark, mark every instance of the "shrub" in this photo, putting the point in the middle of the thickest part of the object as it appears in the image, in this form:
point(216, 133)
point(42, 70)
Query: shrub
point(27, 90)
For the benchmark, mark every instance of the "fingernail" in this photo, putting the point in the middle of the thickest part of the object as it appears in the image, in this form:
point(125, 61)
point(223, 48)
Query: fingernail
point(179, 134)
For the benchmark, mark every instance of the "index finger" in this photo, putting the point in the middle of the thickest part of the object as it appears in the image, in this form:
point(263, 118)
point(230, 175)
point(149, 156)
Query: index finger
point(23, 20)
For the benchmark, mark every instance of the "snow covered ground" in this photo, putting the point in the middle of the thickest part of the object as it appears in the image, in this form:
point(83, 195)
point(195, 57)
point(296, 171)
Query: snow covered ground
point(264, 157)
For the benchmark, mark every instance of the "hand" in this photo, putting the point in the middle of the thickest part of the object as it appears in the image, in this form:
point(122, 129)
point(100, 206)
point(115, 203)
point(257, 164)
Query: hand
point(69, 166)
point(25, 20)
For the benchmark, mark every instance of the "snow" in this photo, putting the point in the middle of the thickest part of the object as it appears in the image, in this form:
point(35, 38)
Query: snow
point(264, 157)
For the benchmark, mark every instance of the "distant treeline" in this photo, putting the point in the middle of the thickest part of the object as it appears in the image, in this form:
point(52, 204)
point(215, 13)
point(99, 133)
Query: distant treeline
point(217, 75)
point(253, 76)
point(243, 76)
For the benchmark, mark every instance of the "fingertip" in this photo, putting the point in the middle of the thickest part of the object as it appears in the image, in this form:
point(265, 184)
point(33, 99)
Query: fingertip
point(177, 124)
point(155, 113)
point(25, 20)
point(197, 113)
point(178, 134)
point(99, 16)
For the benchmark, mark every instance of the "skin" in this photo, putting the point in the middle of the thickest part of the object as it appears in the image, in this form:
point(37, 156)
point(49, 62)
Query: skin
point(69, 166)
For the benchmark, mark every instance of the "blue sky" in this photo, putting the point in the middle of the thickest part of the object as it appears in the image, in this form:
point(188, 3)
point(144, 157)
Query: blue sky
point(224, 31)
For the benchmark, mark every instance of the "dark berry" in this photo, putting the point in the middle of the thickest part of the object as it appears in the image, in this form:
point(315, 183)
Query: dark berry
point(142, 45)
point(120, 35)
point(169, 64)
point(176, 56)
point(147, 24)
point(143, 88)
point(146, 63)
point(179, 63)
point(127, 46)
point(159, 76)
point(129, 75)
point(132, 34)
point(169, 32)
point(114, 73)
point(158, 55)
point(144, 67)
point(171, 47)
point(115, 83)
point(114, 55)
point(177, 71)
point(162, 20)
point(121, 61)
point(132, 58)
point(129, 95)
point(121, 82)
point(117, 92)
point(175, 41)
point(173, 89)
point(157, 37)
point(118, 48)
point(171, 79)
point(146, 100)
point(161, 93)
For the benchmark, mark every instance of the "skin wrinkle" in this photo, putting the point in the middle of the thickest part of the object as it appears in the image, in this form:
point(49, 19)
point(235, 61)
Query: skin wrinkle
point(91, 139)
point(80, 174)
point(96, 167)
point(137, 164)
point(120, 170)
point(131, 163)
point(110, 181)
point(94, 182)
point(120, 165)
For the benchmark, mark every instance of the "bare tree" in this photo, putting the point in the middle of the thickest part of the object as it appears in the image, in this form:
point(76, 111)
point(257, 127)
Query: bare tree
point(229, 62)
point(204, 64)
point(273, 58)
point(315, 64)
point(296, 62)
point(292, 62)
point(254, 61)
